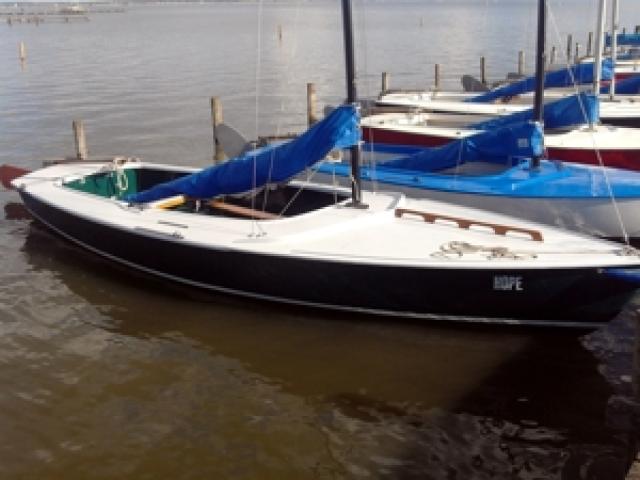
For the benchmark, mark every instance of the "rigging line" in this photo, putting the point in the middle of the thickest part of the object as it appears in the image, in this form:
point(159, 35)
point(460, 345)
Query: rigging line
point(303, 184)
point(362, 17)
point(254, 223)
point(566, 61)
point(288, 82)
point(614, 202)
point(607, 180)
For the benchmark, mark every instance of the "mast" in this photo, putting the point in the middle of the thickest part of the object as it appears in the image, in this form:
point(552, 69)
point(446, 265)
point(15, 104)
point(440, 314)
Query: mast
point(597, 78)
point(352, 98)
point(615, 13)
point(538, 107)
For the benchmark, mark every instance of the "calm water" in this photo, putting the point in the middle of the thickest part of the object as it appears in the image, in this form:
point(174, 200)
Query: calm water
point(108, 374)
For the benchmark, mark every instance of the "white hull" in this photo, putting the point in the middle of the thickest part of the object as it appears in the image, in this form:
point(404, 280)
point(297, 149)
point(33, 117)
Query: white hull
point(620, 108)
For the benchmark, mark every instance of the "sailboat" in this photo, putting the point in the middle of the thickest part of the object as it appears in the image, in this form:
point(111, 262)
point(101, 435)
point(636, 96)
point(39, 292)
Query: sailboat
point(573, 132)
point(620, 108)
point(502, 169)
point(245, 228)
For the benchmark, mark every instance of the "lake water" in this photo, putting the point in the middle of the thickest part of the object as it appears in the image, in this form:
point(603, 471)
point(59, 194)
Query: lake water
point(110, 374)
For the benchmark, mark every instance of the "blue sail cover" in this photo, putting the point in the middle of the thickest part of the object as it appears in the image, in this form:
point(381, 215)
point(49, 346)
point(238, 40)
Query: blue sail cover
point(624, 39)
point(506, 145)
point(340, 129)
point(573, 110)
point(577, 74)
point(628, 86)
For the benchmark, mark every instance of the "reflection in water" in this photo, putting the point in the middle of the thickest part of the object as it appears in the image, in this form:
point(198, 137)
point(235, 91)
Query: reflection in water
point(108, 373)
point(16, 211)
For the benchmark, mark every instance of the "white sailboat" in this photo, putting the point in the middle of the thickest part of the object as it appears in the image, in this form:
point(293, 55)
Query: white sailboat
point(244, 228)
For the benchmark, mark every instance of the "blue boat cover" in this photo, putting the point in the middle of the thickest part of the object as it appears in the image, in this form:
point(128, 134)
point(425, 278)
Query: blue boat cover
point(581, 73)
point(507, 145)
point(624, 39)
point(628, 86)
point(574, 110)
point(553, 180)
point(340, 129)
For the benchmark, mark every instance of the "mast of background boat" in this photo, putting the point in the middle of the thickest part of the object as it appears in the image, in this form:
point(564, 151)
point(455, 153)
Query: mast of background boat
point(597, 65)
point(614, 46)
point(352, 98)
point(538, 107)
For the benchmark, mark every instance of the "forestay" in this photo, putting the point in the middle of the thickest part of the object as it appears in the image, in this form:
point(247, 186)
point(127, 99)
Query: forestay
point(340, 129)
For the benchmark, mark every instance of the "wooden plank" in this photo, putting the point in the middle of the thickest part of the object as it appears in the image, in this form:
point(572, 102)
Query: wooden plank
point(243, 211)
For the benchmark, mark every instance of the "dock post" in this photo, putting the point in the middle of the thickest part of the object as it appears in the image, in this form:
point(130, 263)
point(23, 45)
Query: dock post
point(637, 29)
point(569, 47)
point(22, 51)
point(552, 59)
point(385, 82)
point(589, 44)
point(80, 140)
point(577, 55)
point(483, 70)
point(311, 104)
point(216, 119)
point(437, 76)
point(521, 63)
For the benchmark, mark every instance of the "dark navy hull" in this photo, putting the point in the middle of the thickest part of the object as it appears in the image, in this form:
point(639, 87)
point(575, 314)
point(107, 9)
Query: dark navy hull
point(578, 296)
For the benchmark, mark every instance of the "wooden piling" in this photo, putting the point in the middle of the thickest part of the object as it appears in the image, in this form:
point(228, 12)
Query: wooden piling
point(436, 77)
point(521, 63)
point(590, 44)
point(577, 53)
point(22, 51)
point(552, 59)
point(312, 100)
point(216, 119)
point(637, 29)
point(569, 47)
point(483, 70)
point(386, 79)
point(80, 140)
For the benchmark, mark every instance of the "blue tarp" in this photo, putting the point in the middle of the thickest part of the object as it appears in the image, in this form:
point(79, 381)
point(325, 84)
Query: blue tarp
point(340, 129)
point(573, 110)
point(506, 145)
point(628, 86)
point(577, 74)
point(624, 39)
